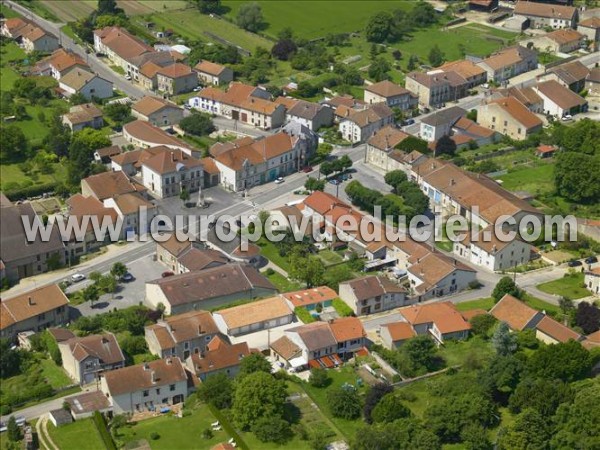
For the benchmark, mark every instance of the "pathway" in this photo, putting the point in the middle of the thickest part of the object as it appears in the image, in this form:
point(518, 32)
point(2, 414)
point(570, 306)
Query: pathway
point(47, 437)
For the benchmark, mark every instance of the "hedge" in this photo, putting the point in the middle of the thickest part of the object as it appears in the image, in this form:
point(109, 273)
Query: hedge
point(31, 191)
point(102, 428)
point(228, 428)
point(341, 307)
point(303, 314)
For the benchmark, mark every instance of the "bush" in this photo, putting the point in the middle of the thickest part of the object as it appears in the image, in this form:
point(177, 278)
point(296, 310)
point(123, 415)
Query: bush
point(207, 434)
point(319, 378)
point(342, 308)
point(303, 314)
point(344, 403)
point(102, 428)
point(269, 272)
point(155, 436)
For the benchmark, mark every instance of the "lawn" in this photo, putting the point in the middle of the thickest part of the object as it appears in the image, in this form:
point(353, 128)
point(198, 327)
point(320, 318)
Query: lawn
point(541, 305)
point(313, 19)
point(270, 251)
point(570, 286)
point(193, 25)
point(482, 303)
point(78, 435)
point(338, 377)
point(536, 180)
point(175, 433)
point(330, 257)
point(7, 78)
point(457, 352)
point(8, 12)
point(282, 283)
point(11, 176)
point(54, 374)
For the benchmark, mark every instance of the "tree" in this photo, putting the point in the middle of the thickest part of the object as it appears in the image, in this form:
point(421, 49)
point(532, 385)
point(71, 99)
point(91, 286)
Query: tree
point(81, 153)
point(397, 54)
point(307, 269)
point(574, 174)
point(567, 361)
point(375, 393)
point(14, 143)
point(184, 195)
point(118, 112)
point(413, 62)
point(10, 359)
point(389, 409)
point(312, 184)
point(378, 69)
point(198, 124)
point(565, 304)
point(404, 434)
point(208, 6)
point(421, 352)
point(380, 27)
point(504, 342)
point(482, 324)
point(445, 146)
point(506, 285)
point(257, 395)
point(501, 377)
point(318, 377)
point(344, 402)
point(58, 138)
point(435, 57)
point(423, 14)
point(587, 317)
point(272, 429)
point(118, 270)
point(284, 49)
point(326, 168)
point(577, 423)
point(14, 431)
point(90, 294)
point(254, 362)
point(217, 390)
point(545, 396)
point(107, 7)
point(530, 431)
point(475, 437)
point(395, 178)
point(250, 17)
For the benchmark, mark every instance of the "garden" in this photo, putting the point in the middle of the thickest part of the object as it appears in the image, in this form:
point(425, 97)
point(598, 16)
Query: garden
point(570, 286)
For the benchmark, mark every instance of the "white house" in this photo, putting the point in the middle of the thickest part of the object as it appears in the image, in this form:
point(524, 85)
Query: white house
point(592, 280)
point(560, 100)
point(169, 172)
point(88, 84)
point(359, 126)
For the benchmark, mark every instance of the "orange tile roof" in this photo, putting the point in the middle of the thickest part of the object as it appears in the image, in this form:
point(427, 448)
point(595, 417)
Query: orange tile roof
point(31, 304)
point(347, 329)
point(387, 138)
point(592, 22)
point(565, 36)
point(255, 312)
point(310, 296)
point(465, 68)
point(286, 348)
point(559, 94)
point(122, 42)
point(444, 315)
point(210, 68)
point(139, 377)
point(176, 70)
point(108, 184)
point(514, 312)
point(434, 267)
point(519, 112)
point(400, 331)
point(149, 105)
point(321, 202)
point(221, 357)
point(507, 57)
point(556, 330)
point(171, 161)
point(387, 89)
point(528, 8)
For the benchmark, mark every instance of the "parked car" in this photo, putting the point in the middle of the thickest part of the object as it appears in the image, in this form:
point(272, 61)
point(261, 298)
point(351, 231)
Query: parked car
point(567, 117)
point(127, 277)
point(77, 277)
point(128, 77)
point(307, 169)
point(574, 263)
point(279, 180)
point(591, 260)
point(409, 121)
point(166, 274)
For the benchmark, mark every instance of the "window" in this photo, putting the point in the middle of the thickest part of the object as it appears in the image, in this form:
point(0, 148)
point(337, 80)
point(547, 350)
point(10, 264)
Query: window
point(157, 391)
point(145, 393)
point(172, 387)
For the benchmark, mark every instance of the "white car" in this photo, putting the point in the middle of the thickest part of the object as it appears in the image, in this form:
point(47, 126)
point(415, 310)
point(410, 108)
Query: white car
point(77, 277)
point(567, 117)
point(279, 180)
point(128, 77)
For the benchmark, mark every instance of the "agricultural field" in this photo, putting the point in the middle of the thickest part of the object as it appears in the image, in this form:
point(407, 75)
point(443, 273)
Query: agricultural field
point(314, 19)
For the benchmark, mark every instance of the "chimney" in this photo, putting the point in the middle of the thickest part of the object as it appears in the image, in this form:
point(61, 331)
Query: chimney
point(199, 330)
point(169, 361)
point(104, 340)
point(30, 301)
point(153, 377)
point(452, 182)
point(146, 366)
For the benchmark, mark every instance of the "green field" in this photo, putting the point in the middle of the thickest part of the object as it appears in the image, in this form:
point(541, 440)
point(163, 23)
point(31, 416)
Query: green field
point(282, 283)
point(569, 286)
point(78, 435)
point(535, 180)
point(313, 19)
point(8, 12)
point(482, 303)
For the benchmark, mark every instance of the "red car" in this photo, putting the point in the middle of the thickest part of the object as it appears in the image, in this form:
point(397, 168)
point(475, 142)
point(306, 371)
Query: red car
point(166, 274)
point(307, 169)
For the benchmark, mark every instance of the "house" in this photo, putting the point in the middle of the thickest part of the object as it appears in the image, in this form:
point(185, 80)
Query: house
point(143, 134)
point(108, 184)
point(213, 73)
point(146, 387)
point(509, 62)
point(493, 254)
point(29, 36)
point(86, 404)
point(440, 320)
point(157, 111)
point(81, 116)
point(249, 162)
point(571, 75)
point(86, 358)
point(372, 294)
point(184, 256)
point(34, 310)
point(468, 70)
point(349, 334)
point(207, 289)
point(88, 84)
point(590, 28)
point(248, 104)
point(517, 315)
point(526, 95)
point(465, 131)
point(550, 331)
point(559, 41)
point(219, 357)
point(59, 63)
point(483, 5)
point(21, 257)
point(394, 334)
point(440, 123)
point(592, 81)
point(120, 47)
point(542, 15)
point(436, 87)
point(436, 274)
point(181, 335)
point(560, 101)
point(311, 115)
point(171, 171)
point(253, 316)
point(89, 209)
point(176, 79)
point(391, 94)
point(104, 155)
point(509, 116)
point(359, 126)
point(312, 299)
point(381, 144)
point(135, 212)
point(592, 280)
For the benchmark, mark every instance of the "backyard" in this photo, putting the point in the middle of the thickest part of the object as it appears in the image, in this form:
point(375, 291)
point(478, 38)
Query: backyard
point(78, 435)
point(570, 286)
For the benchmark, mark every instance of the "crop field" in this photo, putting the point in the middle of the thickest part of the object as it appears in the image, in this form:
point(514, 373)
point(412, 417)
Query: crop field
point(313, 19)
point(71, 10)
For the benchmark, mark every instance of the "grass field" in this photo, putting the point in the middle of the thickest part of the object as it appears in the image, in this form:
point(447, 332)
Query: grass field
point(457, 352)
point(570, 286)
point(8, 12)
point(313, 19)
point(482, 303)
point(282, 283)
point(535, 180)
point(78, 435)
point(54, 374)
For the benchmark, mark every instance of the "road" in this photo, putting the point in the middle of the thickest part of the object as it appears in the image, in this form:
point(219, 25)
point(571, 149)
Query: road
point(38, 410)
